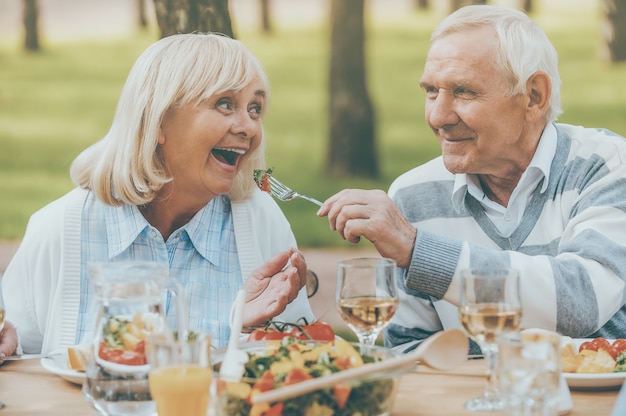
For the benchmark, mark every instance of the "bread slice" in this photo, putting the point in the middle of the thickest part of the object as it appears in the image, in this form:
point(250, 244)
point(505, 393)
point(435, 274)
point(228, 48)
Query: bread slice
point(596, 362)
point(78, 356)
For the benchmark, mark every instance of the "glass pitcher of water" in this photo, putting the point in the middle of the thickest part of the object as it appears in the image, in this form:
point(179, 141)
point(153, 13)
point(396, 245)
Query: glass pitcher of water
point(130, 307)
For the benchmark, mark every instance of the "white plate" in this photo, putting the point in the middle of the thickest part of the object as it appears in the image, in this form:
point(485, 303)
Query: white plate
point(603, 381)
point(57, 364)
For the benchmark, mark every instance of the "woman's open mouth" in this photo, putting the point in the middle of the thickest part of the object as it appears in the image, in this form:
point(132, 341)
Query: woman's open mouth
point(229, 156)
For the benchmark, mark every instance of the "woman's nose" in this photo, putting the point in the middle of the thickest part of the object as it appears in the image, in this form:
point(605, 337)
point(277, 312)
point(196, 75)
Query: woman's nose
point(243, 124)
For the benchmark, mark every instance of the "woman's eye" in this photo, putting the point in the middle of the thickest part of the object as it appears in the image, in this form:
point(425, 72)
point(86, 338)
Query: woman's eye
point(257, 109)
point(225, 104)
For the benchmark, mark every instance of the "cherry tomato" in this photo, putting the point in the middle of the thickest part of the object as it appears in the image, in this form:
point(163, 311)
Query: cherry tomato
point(120, 356)
point(319, 331)
point(266, 382)
point(601, 343)
point(588, 345)
point(275, 410)
point(619, 345)
point(342, 392)
point(612, 352)
point(269, 334)
point(140, 348)
point(296, 375)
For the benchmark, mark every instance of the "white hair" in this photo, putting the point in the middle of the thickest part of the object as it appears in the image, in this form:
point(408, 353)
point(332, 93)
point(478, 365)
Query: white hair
point(523, 49)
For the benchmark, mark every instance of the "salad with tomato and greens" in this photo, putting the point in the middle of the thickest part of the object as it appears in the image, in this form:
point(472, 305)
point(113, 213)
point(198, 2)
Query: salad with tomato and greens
point(123, 339)
point(274, 364)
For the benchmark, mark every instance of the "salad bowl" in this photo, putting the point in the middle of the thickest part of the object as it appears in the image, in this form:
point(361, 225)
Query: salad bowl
point(272, 365)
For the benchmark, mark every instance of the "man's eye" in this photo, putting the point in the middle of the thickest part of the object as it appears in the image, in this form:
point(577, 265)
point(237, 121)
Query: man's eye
point(463, 92)
point(431, 92)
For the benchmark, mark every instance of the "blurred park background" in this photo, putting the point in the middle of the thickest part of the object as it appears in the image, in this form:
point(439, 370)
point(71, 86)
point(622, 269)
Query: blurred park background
point(60, 99)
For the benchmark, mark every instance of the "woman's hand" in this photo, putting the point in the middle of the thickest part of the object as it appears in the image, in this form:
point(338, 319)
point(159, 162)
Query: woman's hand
point(8, 340)
point(273, 286)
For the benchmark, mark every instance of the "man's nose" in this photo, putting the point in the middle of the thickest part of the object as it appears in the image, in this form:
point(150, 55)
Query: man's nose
point(440, 112)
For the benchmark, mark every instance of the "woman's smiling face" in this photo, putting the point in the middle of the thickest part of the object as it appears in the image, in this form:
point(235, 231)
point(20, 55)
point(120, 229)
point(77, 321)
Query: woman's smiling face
point(204, 145)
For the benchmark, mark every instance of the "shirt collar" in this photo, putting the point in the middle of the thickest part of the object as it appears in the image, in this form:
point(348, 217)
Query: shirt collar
point(126, 223)
point(208, 227)
point(123, 225)
point(542, 161)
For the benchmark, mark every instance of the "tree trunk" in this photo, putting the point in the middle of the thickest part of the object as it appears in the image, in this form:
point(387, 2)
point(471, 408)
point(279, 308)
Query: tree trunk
point(141, 13)
point(31, 25)
point(421, 4)
point(527, 6)
point(186, 16)
point(352, 138)
point(266, 21)
point(615, 29)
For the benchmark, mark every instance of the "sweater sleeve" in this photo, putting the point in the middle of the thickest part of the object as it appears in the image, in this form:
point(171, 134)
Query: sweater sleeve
point(36, 298)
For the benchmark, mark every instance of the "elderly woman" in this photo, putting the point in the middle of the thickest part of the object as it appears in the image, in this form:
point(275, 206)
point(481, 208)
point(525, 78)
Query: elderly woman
point(171, 182)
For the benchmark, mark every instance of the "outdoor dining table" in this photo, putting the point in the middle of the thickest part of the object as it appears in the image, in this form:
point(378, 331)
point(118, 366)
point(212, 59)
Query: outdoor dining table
point(26, 388)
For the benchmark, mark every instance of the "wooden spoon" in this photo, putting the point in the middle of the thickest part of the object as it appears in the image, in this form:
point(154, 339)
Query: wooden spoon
point(444, 350)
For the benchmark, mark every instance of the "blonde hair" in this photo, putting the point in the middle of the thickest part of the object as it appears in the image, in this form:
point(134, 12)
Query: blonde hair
point(524, 48)
point(125, 165)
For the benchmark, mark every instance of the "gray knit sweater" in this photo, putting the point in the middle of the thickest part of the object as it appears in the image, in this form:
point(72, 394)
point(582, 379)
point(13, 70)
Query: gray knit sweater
point(570, 246)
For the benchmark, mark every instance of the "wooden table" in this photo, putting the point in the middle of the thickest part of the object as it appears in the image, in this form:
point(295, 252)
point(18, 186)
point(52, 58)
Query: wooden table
point(28, 389)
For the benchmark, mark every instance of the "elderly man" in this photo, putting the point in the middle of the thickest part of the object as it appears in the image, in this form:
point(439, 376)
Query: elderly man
point(511, 188)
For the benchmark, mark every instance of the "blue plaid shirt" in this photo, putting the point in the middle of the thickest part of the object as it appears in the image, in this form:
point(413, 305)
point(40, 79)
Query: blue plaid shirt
point(202, 255)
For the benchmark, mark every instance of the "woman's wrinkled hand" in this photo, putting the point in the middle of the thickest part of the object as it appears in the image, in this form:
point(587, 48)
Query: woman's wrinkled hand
point(8, 340)
point(273, 286)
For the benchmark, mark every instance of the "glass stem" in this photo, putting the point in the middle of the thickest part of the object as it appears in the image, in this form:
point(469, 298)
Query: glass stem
point(491, 355)
point(366, 341)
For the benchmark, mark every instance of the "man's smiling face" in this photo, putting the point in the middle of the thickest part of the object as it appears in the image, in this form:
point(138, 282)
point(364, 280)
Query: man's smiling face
point(468, 105)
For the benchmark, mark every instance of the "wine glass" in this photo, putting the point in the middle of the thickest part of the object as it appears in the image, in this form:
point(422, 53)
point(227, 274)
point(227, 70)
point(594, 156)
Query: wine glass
point(367, 296)
point(490, 307)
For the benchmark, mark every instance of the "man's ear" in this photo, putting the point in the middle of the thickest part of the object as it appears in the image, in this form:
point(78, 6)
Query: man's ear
point(539, 89)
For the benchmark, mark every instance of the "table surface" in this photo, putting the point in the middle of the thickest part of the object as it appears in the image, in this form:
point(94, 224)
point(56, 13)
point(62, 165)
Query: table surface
point(26, 388)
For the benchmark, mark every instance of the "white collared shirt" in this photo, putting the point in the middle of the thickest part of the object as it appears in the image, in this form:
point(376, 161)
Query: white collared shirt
point(507, 219)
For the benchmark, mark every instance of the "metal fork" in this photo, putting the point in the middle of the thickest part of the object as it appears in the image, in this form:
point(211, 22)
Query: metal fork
point(281, 191)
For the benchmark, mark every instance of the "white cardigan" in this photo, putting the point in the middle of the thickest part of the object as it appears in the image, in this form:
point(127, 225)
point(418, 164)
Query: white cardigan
point(41, 285)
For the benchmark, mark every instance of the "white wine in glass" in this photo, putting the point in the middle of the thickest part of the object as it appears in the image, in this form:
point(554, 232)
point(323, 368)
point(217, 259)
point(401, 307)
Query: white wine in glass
point(367, 296)
point(490, 306)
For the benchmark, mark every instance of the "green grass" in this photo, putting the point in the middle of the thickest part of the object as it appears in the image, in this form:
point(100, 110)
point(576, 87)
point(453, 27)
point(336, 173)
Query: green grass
point(55, 103)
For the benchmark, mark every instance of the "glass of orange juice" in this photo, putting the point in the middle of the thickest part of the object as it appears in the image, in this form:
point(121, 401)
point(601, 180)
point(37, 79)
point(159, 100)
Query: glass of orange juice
point(180, 374)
